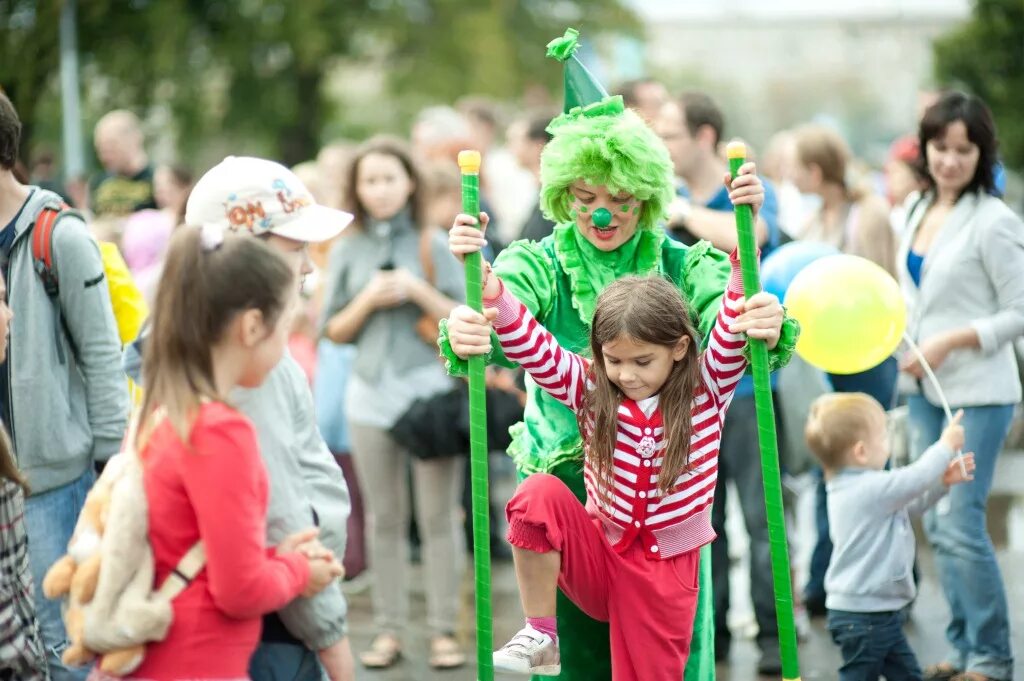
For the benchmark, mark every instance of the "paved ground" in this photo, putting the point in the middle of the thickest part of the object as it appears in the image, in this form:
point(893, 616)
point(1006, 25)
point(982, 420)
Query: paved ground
point(819, 658)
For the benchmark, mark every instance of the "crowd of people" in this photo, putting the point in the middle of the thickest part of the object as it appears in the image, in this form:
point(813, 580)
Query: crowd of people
point(292, 413)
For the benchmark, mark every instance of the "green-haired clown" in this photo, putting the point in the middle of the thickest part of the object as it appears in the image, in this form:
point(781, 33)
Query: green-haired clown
point(606, 182)
point(617, 153)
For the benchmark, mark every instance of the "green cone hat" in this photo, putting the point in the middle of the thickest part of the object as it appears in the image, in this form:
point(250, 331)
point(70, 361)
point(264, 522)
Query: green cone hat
point(583, 94)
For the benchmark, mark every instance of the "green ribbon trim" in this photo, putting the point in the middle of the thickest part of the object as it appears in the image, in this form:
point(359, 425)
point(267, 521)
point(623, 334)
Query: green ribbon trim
point(584, 295)
point(455, 365)
point(526, 460)
point(779, 357)
point(564, 47)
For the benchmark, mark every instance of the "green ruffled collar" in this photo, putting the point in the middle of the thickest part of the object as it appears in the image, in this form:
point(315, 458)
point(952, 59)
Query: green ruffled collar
point(590, 269)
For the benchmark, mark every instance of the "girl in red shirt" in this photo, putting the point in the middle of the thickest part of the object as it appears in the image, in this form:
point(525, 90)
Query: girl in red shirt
point(222, 316)
point(650, 407)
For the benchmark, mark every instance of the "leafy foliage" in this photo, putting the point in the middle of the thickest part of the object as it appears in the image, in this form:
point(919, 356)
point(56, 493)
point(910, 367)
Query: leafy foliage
point(255, 76)
point(986, 56)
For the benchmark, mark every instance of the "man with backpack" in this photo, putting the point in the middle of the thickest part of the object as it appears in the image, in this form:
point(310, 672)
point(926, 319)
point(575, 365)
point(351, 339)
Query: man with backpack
point(63, 394)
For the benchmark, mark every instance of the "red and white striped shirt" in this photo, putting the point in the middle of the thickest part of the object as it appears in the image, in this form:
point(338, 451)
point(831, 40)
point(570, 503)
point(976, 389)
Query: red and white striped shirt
point(634, 509)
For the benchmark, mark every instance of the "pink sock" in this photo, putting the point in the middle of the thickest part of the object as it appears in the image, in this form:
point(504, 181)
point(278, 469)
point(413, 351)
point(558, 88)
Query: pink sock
point(545, 625)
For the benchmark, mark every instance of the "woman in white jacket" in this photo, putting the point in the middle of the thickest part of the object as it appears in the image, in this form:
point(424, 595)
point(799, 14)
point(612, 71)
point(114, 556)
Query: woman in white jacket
point(960, 265)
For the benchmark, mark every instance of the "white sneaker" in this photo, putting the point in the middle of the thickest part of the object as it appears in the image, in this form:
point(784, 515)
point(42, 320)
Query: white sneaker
point(529, 652)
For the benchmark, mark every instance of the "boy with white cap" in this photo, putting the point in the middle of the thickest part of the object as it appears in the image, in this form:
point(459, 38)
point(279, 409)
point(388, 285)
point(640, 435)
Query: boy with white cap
point(268, 200)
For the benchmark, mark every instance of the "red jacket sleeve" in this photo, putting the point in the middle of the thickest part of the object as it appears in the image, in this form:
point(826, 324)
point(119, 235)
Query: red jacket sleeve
point(561, 373)
point(723, 361)
point(227, 486)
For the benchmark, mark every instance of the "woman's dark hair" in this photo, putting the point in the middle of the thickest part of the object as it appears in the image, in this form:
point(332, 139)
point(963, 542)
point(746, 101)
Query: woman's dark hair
point(202, 289)
point(10, 133)
point(386, 145)
point(981, 131)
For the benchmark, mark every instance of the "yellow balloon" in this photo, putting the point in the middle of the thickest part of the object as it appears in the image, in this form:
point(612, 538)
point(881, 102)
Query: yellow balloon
point(851, 312)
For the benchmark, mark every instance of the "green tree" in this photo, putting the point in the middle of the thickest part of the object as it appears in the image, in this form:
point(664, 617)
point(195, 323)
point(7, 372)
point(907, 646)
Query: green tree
point(28, 55)
point(986, 56)
point(449, 48)
point(250, 75)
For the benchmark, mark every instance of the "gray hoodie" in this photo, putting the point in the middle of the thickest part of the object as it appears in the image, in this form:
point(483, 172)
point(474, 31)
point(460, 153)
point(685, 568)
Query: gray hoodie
point(873, 543)
point(305, 482)
point(69, 405)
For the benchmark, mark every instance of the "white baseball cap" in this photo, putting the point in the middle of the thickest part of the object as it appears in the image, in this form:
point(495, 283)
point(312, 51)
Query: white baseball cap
point(242, 192)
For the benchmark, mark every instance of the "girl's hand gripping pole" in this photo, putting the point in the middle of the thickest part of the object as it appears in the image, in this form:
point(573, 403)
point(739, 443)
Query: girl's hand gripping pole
point(469, 164)
point(737, 151)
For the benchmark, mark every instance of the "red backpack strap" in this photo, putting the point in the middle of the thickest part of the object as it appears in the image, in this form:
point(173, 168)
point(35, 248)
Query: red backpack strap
point(42, 247)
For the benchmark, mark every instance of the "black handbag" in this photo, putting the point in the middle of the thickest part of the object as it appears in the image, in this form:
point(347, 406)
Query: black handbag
point(438, 426)
point(430, 427)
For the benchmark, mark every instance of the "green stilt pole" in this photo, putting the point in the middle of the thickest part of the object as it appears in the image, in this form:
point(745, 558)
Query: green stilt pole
point(469, 164)
point(737, 153)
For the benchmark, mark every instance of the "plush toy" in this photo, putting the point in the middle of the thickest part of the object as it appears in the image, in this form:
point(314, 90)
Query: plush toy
point(112, 609)
point(75, 574)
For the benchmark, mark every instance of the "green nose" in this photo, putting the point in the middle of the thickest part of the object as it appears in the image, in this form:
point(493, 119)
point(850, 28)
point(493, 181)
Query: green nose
point(602, 218)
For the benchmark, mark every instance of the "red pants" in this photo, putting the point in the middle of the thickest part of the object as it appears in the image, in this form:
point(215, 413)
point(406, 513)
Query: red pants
point(648, 604)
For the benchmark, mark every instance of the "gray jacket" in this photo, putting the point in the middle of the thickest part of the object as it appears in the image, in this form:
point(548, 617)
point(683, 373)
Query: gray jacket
point(873, 543)
point(971, 275)
point(305, 482)
point(64, 414)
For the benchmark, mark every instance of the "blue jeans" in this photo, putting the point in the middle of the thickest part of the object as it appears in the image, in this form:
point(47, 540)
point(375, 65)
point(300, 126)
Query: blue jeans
point(284, 662)
point(50, 519)
point(980, 629)
point(873, 645)
point(880, 383)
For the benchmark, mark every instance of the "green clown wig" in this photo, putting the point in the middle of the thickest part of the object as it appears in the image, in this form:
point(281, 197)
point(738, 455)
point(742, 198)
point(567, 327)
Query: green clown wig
point(617, 151)
point(597, 140)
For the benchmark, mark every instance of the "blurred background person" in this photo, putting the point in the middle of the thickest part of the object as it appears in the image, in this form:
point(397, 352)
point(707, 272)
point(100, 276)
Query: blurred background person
point(502, 182)
point(144, 239)
point(126, 183)
point(332, 161)
point(377, 293)
point(527, 136)
point(43, 173)
point(172, 183)
point(692, 126)
point(645, 96)
point(850, 218)
point(857, 223)
point(903, 177)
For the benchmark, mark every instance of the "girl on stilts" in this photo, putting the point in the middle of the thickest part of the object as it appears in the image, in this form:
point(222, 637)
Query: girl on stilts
point(650, 408)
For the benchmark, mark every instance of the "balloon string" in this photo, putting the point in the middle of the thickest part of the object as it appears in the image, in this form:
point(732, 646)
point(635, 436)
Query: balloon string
point(938, 388)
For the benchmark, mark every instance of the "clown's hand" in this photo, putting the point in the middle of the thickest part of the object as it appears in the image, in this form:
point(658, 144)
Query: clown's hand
point(746, 188)
point(761, 316)
point(469, 332)
point(465, 237)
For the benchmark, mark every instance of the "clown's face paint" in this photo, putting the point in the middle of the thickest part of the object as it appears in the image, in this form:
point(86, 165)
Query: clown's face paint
point(606, 220)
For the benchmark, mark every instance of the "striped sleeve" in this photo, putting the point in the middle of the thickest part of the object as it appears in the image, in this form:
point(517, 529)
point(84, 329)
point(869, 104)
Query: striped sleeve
point(524, 341)
point(723, 361)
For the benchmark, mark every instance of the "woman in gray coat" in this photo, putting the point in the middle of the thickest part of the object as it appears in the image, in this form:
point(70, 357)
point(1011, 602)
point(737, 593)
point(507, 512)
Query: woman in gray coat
point(960, 266)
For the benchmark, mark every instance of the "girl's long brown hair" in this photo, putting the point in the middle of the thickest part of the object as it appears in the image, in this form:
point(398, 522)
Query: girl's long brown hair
point(385, 145)
point(8, 466)
point(201, 291)
point(648, 310)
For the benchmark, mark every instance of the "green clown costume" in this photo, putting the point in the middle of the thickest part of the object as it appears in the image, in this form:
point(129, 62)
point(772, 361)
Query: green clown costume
point(559, 278)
